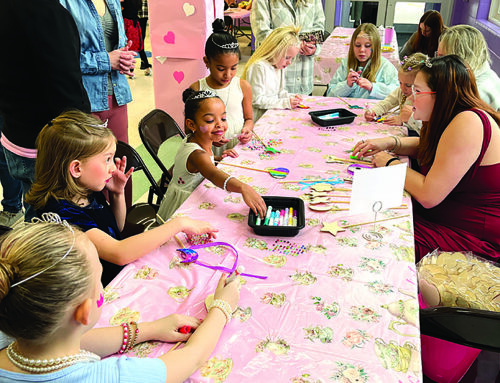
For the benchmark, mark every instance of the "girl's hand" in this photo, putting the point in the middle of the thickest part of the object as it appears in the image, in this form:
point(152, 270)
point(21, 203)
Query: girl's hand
point(369, 115)
point(167, 329)
point(119, 179)
point(229, 153)
point(223, 141)
point(295, 101)
point(393, 120)
point(352, 78)
point(245, 136)
point(229, 293)
point(370, 147)
point(254, 201)
point(365, 84)
point(196, 227)
point(380, 159)
point(307, 48)
point(406, 113)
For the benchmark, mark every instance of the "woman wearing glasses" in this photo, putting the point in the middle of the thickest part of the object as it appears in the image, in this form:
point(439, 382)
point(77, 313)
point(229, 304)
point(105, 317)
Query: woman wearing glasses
point(457, 194)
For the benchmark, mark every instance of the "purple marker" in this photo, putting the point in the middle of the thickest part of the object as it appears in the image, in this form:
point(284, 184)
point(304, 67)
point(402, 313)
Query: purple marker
point(295, 218)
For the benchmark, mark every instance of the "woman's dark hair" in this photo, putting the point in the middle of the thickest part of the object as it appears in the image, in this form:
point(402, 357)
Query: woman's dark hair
point(456, 91)
point(429, 44)
point(220, 42)
point(192, 101)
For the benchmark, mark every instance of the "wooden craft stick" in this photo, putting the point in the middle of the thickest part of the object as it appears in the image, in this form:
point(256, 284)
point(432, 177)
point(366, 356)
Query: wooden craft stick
point(244, 167)
point(352, 161)
point(259, 139)
point(372, 222)
point(173, 348)
point(404, 206)
point(344, 101)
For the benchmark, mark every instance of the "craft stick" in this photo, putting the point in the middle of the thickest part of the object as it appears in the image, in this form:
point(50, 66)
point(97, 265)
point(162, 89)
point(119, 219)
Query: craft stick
point(351, 161)
point(173, 348)
point(344, 101)
point(244, 167)
point(259, 139)
point(391, 113)
point(404, 206)
point(371, 222)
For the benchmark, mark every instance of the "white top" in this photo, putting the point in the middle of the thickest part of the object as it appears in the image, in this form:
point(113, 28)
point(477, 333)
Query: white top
point(268, 88)
point(488, 85)
point(392, 101)
point(232, 96)
point(183, 182)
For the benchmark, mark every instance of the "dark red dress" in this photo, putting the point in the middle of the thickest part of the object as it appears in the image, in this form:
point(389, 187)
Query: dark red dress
point(468, 219)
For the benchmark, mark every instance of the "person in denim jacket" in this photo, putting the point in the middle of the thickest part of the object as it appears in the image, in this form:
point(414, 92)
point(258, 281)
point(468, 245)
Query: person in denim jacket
point(104, 60)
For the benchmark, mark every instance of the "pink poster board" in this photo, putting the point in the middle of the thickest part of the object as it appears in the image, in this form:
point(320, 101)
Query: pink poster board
point(179, 29)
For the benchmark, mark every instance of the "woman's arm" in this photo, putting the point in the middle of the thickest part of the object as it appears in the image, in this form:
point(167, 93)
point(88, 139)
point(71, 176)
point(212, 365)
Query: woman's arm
point(246, 131)
point(122, 252)
point(406, 146)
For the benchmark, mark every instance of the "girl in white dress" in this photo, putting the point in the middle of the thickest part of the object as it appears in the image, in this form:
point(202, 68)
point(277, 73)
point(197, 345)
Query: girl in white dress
point(206, 122)
point(265, 71)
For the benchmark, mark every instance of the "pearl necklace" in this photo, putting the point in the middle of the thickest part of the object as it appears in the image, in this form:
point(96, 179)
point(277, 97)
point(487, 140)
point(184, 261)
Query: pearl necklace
point(43, 366)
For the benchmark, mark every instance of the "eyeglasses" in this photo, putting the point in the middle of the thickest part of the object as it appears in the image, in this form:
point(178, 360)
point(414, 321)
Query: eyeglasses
point(415, 93)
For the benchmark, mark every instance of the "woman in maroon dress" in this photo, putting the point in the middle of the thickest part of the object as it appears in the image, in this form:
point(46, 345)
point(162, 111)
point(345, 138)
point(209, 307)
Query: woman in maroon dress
point(457, 194)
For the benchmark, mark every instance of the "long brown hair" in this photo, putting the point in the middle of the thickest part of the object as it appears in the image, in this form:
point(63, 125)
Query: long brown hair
point(369, 31)
point(429, 45)
point(456, 92)
point(73, 135)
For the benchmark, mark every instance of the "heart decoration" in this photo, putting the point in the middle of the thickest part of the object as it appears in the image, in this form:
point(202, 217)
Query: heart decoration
point(161, 59)
point(188, 9)
point(169, 38)
point(179, 76)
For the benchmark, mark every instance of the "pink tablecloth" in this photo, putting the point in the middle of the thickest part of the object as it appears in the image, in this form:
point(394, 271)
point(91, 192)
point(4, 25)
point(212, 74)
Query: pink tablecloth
point(336, 47)
point(334, 309)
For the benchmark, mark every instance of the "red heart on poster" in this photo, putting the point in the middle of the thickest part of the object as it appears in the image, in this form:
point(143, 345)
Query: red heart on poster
point(179, 76)
point(169, 38)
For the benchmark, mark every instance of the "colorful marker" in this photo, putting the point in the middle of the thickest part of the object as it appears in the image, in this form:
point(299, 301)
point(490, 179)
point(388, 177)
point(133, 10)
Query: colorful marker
point(294, 222)
point(268, 215)
point(285, 220)
point(290, 217)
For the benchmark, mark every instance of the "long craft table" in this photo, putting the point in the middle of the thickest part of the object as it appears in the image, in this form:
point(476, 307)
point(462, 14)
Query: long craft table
point(336, 47)
point(333, 309)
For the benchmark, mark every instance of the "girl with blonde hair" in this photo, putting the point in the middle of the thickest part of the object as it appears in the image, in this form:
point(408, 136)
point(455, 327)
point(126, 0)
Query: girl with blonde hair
point(469, 44)
point(76, 162)
point(364, 73)
point(265, 71)
point(400, 97)
point(51, 297)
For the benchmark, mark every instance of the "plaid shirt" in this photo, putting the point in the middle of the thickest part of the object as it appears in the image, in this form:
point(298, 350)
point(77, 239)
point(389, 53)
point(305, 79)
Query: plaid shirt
point(269, 14)
point(143, 12)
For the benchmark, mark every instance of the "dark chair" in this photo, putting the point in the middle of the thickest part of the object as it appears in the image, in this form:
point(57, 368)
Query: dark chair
point(154, 129)
point(141, 215)
point(468, 327)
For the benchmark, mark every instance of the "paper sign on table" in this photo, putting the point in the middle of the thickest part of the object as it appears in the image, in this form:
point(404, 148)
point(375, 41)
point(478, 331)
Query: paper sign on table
point(384, 184)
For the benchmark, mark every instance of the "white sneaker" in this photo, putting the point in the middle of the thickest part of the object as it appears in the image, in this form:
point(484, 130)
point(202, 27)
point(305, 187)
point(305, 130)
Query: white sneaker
point(9, 219)
point(148, 72)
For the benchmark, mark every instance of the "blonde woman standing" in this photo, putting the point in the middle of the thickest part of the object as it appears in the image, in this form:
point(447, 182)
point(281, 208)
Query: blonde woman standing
point(265, 71)
point(309, 16)
point(469, 44)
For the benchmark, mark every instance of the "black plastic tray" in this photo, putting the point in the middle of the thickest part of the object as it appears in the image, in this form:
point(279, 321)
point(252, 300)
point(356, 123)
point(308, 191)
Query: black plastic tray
point(280, 203)
point(345, 117)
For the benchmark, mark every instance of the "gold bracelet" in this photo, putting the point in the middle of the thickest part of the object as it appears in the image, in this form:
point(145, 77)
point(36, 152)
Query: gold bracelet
point(224, 307)
point(395, 143)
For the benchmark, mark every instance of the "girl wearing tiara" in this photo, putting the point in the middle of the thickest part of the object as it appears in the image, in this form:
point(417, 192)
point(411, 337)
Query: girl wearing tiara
point(222, 58)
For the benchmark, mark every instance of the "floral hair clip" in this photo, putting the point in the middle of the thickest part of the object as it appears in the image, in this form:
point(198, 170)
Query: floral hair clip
point(50, 218)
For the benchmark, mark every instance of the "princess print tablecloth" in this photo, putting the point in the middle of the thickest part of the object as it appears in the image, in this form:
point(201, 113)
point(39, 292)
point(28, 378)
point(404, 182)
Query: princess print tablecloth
point(333, 309)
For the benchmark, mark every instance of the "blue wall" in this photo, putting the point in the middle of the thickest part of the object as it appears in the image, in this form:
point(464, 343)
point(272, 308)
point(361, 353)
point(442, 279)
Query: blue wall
point(475, 13)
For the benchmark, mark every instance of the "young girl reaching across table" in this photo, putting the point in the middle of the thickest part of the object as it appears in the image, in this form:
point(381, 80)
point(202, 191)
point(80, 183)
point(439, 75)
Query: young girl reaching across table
point(222, 58)
point(399, 98)
point(364, 73)
point(51, 297)
point(265, 71)
point(206, 123)
point(75, 163)
point(458, 191)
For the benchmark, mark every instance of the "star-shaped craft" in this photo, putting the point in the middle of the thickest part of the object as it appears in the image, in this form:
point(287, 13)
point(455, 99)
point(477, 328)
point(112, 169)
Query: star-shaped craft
point(332, 227)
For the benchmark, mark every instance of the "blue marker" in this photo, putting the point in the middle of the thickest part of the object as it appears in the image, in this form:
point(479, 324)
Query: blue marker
point(276, 218)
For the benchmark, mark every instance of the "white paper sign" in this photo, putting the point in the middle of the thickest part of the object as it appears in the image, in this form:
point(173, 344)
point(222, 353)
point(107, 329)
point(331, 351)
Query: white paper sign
point(371, 186)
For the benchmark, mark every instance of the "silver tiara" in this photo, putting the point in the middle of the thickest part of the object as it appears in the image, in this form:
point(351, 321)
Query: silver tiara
point(413, 61)
point(53, 218)
point(233, 45)
point(203, 94)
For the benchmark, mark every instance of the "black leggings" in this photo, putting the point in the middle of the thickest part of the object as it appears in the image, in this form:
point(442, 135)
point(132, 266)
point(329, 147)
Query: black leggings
point(144, 59)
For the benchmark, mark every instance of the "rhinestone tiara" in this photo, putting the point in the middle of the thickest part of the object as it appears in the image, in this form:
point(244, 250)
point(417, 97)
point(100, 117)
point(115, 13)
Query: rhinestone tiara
point(202, 94)
point(233, 45)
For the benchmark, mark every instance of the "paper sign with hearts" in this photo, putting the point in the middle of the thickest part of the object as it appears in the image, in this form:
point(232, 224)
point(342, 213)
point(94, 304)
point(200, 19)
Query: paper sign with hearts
point(179, 76)
point(169, 38)
point(188, 9)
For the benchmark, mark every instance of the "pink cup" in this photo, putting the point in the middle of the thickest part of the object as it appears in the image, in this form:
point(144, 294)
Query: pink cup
point(388, 35)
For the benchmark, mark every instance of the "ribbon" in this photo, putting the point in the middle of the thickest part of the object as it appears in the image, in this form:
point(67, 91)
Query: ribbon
point(189, 255)
point(331, 181)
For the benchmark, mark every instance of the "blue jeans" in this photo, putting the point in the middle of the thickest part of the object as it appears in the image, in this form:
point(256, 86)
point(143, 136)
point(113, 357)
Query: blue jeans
point(23, 170)
point(12, 188)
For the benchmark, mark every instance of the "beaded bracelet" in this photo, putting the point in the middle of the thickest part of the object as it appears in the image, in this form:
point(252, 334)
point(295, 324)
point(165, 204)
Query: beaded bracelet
point(226, 181)
point(224, 307)
point(129, 336)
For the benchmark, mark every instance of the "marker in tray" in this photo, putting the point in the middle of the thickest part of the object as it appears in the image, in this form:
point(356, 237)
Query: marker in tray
point(278, 217)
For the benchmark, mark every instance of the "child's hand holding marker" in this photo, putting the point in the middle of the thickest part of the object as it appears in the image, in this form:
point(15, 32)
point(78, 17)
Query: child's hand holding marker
point(295, 101)
point(369, 115)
